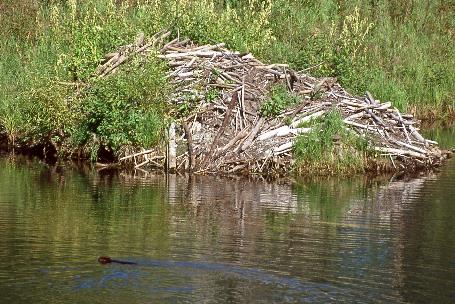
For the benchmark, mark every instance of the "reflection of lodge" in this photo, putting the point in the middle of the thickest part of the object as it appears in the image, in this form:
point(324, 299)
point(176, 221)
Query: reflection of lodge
point(351, 234)
point(423, 229)
point(227, 214)
point(407, 217)
point(384, 215)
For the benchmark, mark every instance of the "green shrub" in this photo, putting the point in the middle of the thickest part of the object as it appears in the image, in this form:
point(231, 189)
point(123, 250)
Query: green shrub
point(43, 99)
point(127, 108)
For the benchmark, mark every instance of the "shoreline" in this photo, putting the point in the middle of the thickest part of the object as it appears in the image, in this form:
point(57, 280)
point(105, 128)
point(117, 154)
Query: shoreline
point(375, 170)
point(229, 113)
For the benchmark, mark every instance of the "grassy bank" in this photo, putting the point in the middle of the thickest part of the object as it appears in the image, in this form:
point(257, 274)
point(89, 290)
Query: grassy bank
point(399, 50)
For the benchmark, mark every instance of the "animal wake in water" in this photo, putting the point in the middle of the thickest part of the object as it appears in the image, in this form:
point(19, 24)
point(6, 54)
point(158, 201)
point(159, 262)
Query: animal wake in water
point(107, 260)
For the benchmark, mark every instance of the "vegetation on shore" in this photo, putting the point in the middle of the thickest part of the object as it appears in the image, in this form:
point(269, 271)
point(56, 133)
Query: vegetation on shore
point(330, 148)
point(398, 50)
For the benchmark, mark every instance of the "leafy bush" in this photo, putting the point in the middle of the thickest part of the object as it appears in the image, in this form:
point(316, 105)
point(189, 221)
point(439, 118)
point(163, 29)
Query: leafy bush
point(44, 99)
point(126, 108)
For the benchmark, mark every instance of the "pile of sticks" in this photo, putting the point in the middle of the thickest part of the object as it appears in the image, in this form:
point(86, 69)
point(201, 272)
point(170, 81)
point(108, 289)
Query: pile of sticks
point(224, 130)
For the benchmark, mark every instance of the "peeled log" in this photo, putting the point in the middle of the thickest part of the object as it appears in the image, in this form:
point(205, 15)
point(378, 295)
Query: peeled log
point(399, 152)
point(172, 150)
point(416, 134)
point(283, 147)
point(283, 131)
point(307, 118)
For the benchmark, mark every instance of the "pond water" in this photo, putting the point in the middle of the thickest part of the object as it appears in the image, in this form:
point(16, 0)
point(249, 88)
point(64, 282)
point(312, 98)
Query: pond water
point(214, 240)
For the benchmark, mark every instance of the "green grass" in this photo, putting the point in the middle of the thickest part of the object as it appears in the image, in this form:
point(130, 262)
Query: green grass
point(330, 149)
point(279, 100)
point(401, 51)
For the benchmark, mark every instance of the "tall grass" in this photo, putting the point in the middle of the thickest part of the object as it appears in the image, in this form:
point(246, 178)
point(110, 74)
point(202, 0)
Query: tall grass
point(330, 148)
point(401, 51)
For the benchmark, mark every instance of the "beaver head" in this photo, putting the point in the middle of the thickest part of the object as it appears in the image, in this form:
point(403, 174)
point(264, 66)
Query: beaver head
point(104, 260)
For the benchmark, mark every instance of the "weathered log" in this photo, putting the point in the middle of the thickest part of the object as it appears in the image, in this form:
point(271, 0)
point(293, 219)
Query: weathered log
point(206, 54)
point(189, 141)
point(395, 151)
point(284, 147)
point(371, 99)
point(416, 134)
point(234, 101)
point(232, 142)
point(304, 119)
point(417, 149)
point(404, 127)
point(247, 143)
point(136, 154)
point(171, 149)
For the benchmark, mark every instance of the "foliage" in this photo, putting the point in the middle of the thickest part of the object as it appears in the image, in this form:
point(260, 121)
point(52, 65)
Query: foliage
point(330, 148)
point(398, 50)
point(280, 99)
point(44, 98)
point(212, 94)
point(125, 109)
point(243, 25)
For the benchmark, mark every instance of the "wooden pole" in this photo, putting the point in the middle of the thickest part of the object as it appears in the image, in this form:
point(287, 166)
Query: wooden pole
point(171, 150)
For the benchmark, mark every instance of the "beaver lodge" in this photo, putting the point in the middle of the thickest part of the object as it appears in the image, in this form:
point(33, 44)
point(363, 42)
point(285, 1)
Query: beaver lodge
point(244, 116)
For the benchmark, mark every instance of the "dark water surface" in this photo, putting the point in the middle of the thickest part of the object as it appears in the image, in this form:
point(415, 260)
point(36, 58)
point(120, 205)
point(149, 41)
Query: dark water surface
point(211, 240)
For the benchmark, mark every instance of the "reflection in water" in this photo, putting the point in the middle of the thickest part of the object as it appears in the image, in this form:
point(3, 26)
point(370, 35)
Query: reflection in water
point(206, 239)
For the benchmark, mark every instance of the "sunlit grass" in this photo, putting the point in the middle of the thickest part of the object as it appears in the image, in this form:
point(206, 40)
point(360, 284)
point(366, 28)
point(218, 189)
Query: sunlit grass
point(330, 148)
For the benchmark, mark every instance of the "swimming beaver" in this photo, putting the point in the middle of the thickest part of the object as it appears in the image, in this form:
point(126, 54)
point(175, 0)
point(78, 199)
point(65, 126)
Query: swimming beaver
point(107, 260)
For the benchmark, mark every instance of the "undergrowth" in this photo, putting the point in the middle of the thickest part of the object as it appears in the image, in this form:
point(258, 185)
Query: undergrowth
point(330, 148)
point(125, 109)
point(279, 100)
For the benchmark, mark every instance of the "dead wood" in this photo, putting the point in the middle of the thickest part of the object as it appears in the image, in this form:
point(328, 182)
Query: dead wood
point(234, 137)
point(189, 140)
